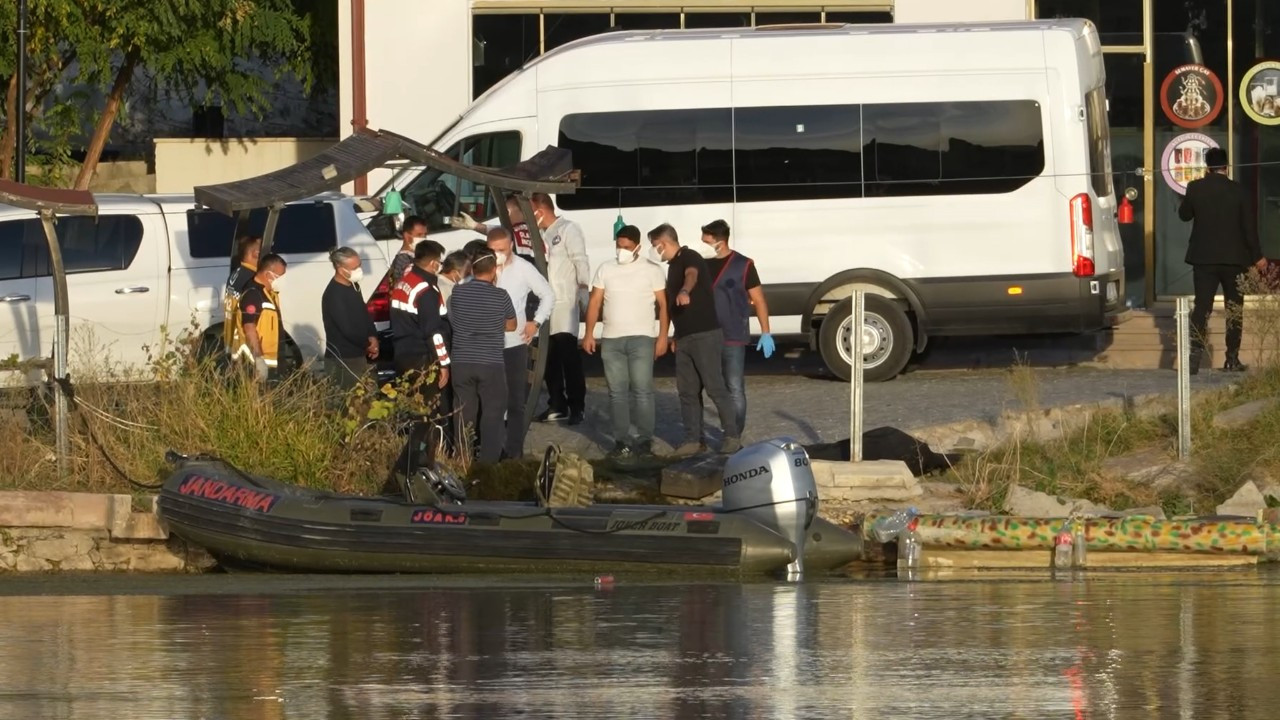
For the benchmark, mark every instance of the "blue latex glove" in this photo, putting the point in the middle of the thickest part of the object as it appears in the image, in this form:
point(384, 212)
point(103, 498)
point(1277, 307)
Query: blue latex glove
point(766, 345)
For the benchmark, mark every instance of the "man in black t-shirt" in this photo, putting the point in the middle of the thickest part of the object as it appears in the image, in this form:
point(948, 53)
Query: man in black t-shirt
point(350, 337)
point(697, 342)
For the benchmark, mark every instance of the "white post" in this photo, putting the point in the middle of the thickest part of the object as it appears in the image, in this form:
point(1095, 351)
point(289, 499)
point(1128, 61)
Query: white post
point(855, 376)
point(1183, 317)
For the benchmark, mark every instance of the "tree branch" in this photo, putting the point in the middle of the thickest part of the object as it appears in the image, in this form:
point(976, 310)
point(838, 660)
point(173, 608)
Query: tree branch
point(107, 120)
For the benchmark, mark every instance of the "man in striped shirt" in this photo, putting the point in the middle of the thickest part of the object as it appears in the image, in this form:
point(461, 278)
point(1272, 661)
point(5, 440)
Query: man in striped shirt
point(481, 315)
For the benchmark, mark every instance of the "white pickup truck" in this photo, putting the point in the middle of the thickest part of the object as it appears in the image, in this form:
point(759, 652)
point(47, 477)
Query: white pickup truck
point(147, 262)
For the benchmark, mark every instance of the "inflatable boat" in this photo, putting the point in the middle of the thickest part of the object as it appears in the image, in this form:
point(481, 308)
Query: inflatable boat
point(766, 524)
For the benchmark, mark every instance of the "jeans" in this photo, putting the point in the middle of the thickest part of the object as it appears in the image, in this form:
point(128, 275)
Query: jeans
point(516, 360)
point(628, 368)
point(698, 368)
point(481, 393)
point(733, 361)
point(566, 384)
point(1206, 279)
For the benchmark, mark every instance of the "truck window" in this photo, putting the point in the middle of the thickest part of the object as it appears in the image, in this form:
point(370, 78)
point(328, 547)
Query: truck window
point(1099, 131)
point(302, 228)
point(12, 248)
point(437, 196)
point(102, 244)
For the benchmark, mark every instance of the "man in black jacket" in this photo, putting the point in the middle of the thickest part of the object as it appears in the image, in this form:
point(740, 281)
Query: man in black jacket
point(1224, 244)
point(350, 336)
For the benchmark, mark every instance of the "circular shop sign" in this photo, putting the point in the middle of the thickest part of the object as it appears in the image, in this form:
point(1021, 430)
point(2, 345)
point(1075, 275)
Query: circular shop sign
point(1260, 93)
point(1183, 160)
point(1192, 96)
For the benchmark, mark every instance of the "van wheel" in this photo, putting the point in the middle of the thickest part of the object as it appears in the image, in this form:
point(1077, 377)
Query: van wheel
point(886, 339)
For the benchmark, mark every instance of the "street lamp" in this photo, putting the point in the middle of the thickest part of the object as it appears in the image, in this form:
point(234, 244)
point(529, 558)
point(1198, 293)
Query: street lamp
point(20, 107)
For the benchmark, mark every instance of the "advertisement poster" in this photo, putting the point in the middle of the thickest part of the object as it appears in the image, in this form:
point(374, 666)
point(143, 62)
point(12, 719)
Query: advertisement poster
point(1192, 96)
point(1183, 160)
point(1260, 93)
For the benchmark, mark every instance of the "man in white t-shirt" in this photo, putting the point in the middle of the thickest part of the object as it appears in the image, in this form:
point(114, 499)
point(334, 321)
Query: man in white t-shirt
point(632, 293)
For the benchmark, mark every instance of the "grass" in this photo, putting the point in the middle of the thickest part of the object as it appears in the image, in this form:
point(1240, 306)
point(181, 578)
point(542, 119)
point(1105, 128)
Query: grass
point(302, 430)
point(1072, 464)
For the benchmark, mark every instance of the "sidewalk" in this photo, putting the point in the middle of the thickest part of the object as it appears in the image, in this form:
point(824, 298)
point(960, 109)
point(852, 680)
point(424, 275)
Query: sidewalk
point(812, 409)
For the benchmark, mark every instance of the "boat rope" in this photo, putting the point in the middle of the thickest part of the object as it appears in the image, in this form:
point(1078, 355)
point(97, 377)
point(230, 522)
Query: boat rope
point(70, 392)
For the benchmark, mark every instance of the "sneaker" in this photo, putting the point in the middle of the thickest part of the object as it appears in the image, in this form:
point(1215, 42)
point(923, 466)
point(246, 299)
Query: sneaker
point(620, 454)
point(576, 417)
point(1233, 364)
point(688, 449)
point(551, 415)
point(730, 446)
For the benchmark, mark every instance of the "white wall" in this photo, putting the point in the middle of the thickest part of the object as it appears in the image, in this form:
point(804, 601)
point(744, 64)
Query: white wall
point(181, 164)
point(915, 11)
point(417, 64)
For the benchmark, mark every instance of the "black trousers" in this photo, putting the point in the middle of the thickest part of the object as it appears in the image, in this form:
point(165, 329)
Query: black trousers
point(566, 383)
point(1207, 279)
point(516, 360)
point(482, 400)
point(443, 417)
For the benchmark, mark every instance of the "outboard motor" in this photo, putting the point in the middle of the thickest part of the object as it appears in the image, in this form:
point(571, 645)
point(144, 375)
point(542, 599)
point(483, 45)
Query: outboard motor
point(772, 483)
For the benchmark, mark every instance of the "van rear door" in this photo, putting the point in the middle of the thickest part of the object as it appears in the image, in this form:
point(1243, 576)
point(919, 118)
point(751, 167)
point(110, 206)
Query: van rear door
point(1109, 251)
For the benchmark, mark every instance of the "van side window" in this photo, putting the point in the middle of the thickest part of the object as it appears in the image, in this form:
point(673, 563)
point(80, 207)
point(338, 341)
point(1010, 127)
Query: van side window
point(302, 228)
point(1099, 142)
point(679, 157)
point(797, 152)
point(951, 148)
point(649, 158)
point(437, 196)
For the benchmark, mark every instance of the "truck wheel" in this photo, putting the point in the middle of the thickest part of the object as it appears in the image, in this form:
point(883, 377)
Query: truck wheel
point(886, 340)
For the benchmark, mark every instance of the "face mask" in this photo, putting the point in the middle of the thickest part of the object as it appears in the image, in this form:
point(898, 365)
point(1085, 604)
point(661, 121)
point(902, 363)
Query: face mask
point(626, 256)
point(656, 254)
point(502, 257)
point(356, 275)
point(708, 252)
point(277, 283)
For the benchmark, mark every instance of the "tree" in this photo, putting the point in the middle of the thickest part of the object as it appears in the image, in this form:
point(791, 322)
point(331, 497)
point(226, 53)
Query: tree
point(199, 50)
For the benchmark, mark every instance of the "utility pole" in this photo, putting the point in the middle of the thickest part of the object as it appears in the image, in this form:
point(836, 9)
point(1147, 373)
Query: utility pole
point(20, 107)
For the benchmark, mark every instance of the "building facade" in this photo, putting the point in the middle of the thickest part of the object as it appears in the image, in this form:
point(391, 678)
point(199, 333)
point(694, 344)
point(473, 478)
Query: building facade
point(422, 69)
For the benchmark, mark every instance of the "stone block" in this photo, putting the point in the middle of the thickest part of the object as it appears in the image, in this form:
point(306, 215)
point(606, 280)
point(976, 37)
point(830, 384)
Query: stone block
point(1021, 502)
point(1152, 466)
point(870, 480)
point(1247, 502)
point(695, 478)
point(82, 511)
point(1243, 414)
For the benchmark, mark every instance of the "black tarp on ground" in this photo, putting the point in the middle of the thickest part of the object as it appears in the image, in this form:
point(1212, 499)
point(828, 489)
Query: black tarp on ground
point(888, 443)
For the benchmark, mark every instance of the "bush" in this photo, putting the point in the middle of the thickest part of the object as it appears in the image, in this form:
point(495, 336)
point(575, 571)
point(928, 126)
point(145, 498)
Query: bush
point(299, 430)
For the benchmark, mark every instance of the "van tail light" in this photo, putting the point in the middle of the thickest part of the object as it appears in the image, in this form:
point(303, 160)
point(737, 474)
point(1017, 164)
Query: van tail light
point(1082, 236)
point(379, 305)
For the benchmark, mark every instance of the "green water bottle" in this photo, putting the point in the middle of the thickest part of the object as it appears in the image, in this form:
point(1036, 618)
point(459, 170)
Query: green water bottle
point(618, 225)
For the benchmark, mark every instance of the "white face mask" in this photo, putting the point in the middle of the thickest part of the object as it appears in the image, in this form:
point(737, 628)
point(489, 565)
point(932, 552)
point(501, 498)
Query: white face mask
point(502, 256)
point(277, 283)
point(355, 276)
point(626, 256)
point(707, 251)
point(656, 254)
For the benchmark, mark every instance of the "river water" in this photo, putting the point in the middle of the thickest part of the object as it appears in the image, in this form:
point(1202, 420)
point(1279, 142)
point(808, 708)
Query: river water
point(244, 647)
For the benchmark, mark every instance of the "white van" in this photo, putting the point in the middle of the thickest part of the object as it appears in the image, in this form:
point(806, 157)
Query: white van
point(150, 261)
point(959, 173)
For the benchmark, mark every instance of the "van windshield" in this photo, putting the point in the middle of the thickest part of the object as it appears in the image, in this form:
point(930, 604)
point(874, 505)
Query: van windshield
point(1099, 142)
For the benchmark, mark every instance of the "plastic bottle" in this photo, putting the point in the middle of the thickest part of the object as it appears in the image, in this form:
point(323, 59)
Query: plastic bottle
point(1079, 543)
point(909, 546)
point(887, 528)
point(1062, 550)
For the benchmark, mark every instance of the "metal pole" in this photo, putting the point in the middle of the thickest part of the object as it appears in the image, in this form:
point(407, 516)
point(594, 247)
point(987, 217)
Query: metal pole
point(543, 347)
point(1183, 317)
point(855, 376)
point(269, 233)
point(20, 107)
point(61, 338)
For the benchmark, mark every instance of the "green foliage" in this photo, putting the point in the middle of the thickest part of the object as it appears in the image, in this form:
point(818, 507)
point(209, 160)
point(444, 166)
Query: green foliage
point(197, 51)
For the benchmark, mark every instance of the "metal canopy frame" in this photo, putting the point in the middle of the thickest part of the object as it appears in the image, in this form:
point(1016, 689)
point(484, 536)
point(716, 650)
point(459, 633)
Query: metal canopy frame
point(48, 203)
point(550, 171)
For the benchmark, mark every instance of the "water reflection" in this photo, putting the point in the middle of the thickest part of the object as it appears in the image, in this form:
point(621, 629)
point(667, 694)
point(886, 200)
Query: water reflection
point(1114, 646)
